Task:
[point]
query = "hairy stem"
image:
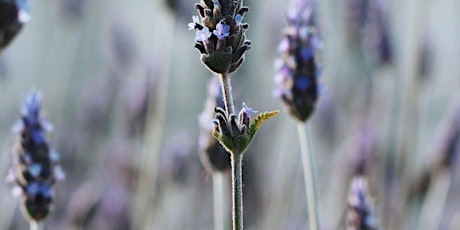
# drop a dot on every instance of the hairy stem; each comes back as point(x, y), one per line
point(309, 176)
point(218, 189)
point(237, 173)
point(227, 93)
point(34, 225)
point(237, 191)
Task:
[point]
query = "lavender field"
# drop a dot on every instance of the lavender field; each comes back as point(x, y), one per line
point(131, 105)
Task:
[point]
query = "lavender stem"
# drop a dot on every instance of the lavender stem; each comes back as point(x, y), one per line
point(237, 191)
point(309, 175)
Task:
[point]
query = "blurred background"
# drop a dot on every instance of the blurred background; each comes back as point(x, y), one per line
point(124, 88)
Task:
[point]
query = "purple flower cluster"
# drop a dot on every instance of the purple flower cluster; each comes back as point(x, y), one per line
point(220, 35)
point(296, 80)
point(13, 14)
point(360, 214)
point(35, 166)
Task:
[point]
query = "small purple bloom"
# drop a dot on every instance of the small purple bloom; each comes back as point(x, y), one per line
point(221, 31)
point(38, 136)
point(284, 45)
point(191, 25)
point(306, 53)
point(238, 19)
point(302, 82)
point(35, 169)
point(248, 110)
point(203, 35)
point(39, 189)
point(32, 103)
point(216, 3)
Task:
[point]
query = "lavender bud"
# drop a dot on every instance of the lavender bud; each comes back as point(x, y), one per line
point(72, 9)
point(376, 37)
point(35, 164)
point(296, 81)
point(13, 14)
point(220, 35)
point(212, 155)
point(360, 213)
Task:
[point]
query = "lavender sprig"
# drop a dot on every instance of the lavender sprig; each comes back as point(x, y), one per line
point(360, 214)
point(221, 40)
point(13, 14)
point(296, 81)
point(220, 35)
point(296, 85)
point(35, 166)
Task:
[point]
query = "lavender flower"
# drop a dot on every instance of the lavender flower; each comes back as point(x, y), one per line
point(296, 81)
point(367, 29)
point(13, 14)
point(221, 36)
point(72, 9)
point(360, 214)
point(35, 166)
point(195, 21)
point(203, 35)
point(212, 155)
point(221, 31)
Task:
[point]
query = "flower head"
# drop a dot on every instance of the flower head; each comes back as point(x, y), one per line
point(13, 15)
point(296, 81)
point(35, 166)
point(360, 214)
point(223, 51)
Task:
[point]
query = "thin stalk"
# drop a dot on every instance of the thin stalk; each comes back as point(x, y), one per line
point(227, 93)
point(149, 158)
point(309, 175)
point(34, 225)
point(435, 200)
point(218, 189)
point(237, 191)
point(236, 161)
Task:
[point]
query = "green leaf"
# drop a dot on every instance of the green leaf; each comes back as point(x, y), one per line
point(238, 144)
point(261, 118)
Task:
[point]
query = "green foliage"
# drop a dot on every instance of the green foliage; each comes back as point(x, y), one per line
point(239, 142)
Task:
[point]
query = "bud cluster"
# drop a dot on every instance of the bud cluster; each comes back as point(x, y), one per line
point(360, 214)
point(232, 130)
point(220, 34)
point(296, 80)
point(13, 14)
point(35, 167)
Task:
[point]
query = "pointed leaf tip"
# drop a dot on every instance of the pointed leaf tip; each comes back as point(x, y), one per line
point(261, 118)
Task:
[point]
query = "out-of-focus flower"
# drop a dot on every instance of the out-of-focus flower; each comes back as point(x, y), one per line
point(13, 14)
point(296, 81)
point(35, 167)
point(360, 214)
